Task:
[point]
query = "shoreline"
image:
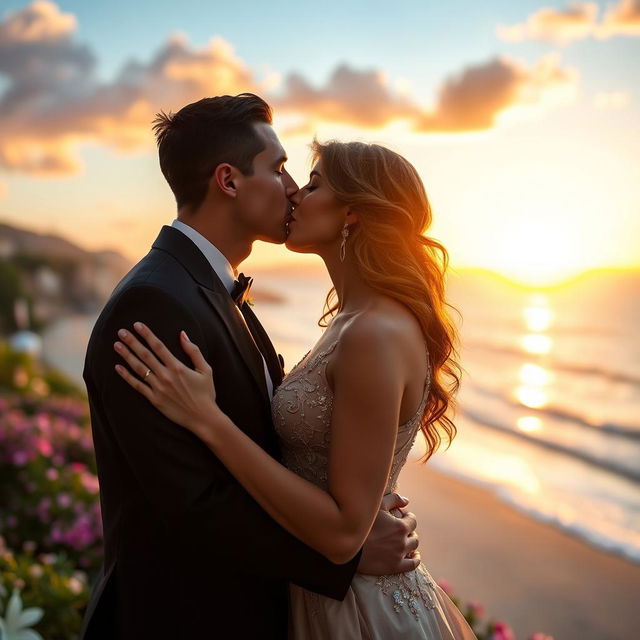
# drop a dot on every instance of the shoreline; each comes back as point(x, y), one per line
point(61, 344)
point(525, 572)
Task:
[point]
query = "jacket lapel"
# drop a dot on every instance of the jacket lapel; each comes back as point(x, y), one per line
point(230, 315)
point(191, 258)
point(265, 345)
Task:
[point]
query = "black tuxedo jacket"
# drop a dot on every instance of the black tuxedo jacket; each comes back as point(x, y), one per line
point(188, 553)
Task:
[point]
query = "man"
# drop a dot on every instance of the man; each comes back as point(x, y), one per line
point(188, 553)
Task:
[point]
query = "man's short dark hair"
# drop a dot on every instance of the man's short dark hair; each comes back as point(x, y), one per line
point(204, 134)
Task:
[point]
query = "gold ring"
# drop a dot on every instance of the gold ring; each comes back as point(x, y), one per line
point(146, 375)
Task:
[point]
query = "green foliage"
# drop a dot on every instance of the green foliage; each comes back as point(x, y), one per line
point(11, 288)
point(24, 374)
point(49, 582)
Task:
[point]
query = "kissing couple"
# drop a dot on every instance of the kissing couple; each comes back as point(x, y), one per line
point(240, 502)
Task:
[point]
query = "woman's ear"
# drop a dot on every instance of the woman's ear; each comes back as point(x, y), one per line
point(351, 217)
point(223, 177)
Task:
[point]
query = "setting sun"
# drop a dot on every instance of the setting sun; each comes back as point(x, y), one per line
point(538, 253)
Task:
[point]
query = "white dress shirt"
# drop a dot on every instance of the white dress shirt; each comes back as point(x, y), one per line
point(223, 270)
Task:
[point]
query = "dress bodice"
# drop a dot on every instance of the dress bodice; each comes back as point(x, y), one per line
point(302, 409)
point(407, 605)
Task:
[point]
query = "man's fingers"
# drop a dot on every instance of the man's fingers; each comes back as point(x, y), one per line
point(412, 543)
point(409, 520)
point(409, 564)
point(393, 501)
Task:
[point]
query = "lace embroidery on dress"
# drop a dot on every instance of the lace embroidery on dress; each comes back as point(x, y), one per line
point(302, 417)
point(301, 410)
point(409, 589)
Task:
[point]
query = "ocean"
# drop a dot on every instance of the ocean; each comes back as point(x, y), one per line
point(548, 414)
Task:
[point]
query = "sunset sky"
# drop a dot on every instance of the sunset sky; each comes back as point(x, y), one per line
point(523, 118)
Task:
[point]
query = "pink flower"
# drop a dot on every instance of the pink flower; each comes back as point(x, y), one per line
point(43, 421)
point(64, 500)
point(44, 447)
point(52, 474)
point(43, 509)
point(78, 467)
point(47, 558)
point(56, 534)
point(20, 458)
point(476, 608)
point(446, 586)
point(501, 631)
point(89, 482)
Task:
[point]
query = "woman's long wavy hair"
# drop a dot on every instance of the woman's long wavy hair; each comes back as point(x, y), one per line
point(396, 258)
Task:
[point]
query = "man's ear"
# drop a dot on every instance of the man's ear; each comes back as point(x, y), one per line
point(224, 177)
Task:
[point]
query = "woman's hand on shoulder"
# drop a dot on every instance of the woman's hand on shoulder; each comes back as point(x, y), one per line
point(184, 395)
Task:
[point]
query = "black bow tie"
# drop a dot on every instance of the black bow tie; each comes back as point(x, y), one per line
point(241, 289)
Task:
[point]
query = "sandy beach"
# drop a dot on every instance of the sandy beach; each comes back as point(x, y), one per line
point(526, 573)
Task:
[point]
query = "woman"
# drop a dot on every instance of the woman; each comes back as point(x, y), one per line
point(348, 413)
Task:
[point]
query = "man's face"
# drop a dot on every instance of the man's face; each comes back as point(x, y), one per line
point(263, 204)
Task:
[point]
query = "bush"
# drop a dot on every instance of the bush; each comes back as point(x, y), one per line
point(49, 582)
point(48, 480)
point(50, 521)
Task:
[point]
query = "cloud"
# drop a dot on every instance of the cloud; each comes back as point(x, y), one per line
point(468, 101)
point(53, 103)
point(39, 22)
point(474, 98)
point(612, 100)
point(576, 22)
point(621, 19)
point(360, 98)
point(559, 26)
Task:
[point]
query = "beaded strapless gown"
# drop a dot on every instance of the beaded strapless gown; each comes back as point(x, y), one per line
point(409, 605)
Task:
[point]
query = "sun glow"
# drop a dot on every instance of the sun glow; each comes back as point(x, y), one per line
point(539, 253)
point(537, 316)
point(529, 424)
point(532, 397)
point(536, 344)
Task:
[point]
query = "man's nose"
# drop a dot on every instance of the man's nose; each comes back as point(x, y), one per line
point(296, 197)
point(290, 186)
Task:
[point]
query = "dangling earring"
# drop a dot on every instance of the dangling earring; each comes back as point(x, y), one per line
point(343, 246)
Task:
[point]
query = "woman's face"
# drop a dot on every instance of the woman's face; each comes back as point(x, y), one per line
point(317, 220)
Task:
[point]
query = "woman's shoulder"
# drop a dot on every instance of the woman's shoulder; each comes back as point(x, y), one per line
point(386, 325)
